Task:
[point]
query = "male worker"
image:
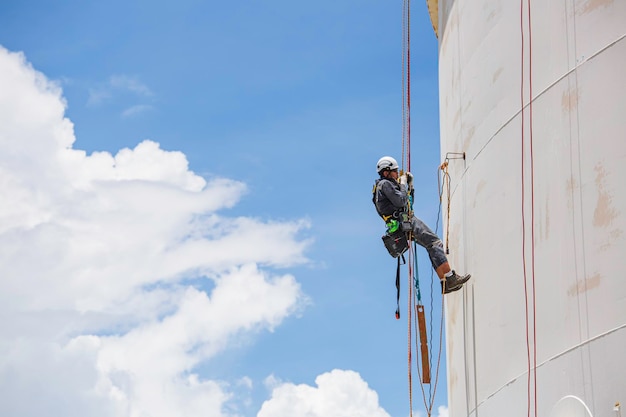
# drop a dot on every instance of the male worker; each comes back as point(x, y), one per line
point(390, 199)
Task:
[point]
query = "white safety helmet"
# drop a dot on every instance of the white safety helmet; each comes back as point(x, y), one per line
point(386, 163)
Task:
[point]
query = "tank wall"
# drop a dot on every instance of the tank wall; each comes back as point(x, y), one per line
point(579, 192)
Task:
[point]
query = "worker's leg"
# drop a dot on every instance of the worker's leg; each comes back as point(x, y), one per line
point(431, 242)
point(433, 245)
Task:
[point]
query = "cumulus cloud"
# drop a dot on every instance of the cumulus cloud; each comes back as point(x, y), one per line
point(338, 393)
point(442, 411)
point(121, 273)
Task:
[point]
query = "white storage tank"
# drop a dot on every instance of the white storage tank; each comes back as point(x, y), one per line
point(534, 94)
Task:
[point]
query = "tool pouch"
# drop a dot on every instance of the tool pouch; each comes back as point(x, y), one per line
point(396, 243)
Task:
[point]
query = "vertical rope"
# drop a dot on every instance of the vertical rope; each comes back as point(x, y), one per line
point(406, 157)
point(413, 279)
point(432, 398)
point(410, 339)
point(406, 85)
point(532, 200)
point(523, 213)
point(445, 183)
point(531, 358)
point(403, 83)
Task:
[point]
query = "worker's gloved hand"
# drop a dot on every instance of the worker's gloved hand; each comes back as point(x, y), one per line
point(409, 178)
point(403, 179)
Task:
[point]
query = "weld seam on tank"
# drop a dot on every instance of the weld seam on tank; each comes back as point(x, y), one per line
point(623, 326)
point(559, 79)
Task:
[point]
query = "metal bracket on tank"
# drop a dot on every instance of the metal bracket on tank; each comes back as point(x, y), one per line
point(455, 155)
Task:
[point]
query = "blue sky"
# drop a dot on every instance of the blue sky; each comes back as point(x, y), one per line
point(291, 104)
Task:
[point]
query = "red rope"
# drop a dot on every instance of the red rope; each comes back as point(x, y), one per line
point(406, 146)
point(403, 83)
point(409, 315)
point(532, 368)
point(532, 200)
point(523, 216)
point(408, 85)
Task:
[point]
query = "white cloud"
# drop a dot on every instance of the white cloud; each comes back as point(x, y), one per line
point(339, 393)
point(120, 84)
point(98, 95)
point(120, 274)
point(442, 411)
point(135, 110)
point(125, 82)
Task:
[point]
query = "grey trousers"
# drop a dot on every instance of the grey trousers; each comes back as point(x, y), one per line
point(426, 238)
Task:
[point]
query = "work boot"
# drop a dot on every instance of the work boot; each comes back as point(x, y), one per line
point(454, 282)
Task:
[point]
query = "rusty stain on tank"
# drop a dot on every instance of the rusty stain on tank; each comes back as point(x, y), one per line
point(454, 238)
point(479, 187)
point(591, 5)
point(468, 105)
point(571, 186)
point(569, 100)
point(611, 238)
point(586, 285)
point(453, 378)
point(468, 138)
point(457, 116)
point(491, 15)
point(604, 213)
point(496, 75)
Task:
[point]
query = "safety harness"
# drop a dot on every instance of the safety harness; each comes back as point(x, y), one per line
point(396, 238)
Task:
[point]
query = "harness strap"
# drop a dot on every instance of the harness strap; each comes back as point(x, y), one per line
point(398, 285)
point(385, 217)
